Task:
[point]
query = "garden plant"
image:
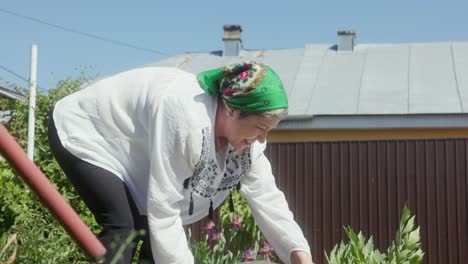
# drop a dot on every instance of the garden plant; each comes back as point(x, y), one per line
point(405, 249)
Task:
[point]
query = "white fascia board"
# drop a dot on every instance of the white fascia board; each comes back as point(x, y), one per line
point(374, 121)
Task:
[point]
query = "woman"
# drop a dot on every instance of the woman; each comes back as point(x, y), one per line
point(148, 149)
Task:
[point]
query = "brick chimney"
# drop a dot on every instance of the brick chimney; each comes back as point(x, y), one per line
point(232, 40)
point(346, 40)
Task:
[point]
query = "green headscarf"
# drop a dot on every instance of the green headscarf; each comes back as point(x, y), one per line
point(248, 87)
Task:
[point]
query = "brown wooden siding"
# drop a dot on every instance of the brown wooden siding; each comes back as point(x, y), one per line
point(365, 184)
point(315, 135)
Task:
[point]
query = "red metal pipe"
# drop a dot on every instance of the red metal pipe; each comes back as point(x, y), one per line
point(49, 196)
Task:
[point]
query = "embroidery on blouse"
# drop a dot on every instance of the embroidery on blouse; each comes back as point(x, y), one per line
point(237, 165)
point(204, 179)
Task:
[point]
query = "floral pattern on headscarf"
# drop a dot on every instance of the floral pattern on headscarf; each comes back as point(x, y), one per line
point(241, 79)
point(246, 86)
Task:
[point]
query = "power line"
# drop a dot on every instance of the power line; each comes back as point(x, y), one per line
point(116, 42)
point(20, 77)
point(14, 73)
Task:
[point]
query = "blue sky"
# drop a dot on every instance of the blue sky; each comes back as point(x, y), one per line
point(172, 27)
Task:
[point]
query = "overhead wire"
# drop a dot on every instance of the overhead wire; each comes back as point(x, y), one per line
point(82, 33)
point(20, 77)
point(67, 29)
point(14, 73)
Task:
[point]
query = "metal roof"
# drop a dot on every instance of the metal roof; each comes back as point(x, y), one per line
point(10, 93)
point(6, 91)
point(5, 116)
point(374, 79)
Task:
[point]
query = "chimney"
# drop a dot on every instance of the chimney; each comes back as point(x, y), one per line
point(232, 40)
point(346, 40)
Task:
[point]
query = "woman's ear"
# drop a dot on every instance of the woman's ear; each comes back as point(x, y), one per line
point(234, 113)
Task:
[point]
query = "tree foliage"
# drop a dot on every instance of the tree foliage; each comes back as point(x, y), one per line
point(40, 238)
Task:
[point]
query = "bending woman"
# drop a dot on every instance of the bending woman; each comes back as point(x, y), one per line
point(158, 148)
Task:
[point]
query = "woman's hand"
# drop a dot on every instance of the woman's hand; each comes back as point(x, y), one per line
point(301, 257)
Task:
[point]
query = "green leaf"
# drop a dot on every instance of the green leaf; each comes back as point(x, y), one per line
point(409, 226)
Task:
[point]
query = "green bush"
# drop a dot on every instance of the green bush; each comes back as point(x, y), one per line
point(40, 238)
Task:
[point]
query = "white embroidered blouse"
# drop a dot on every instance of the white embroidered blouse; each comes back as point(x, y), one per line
point(154, 128)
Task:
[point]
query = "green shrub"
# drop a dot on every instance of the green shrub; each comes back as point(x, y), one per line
point(40, 238)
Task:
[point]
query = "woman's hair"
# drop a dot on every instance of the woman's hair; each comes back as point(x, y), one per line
point(279, 113)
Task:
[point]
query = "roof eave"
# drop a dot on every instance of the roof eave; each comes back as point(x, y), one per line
point(375, 121)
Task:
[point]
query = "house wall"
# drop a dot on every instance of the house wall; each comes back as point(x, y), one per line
point(369, 134)
point(365, 184)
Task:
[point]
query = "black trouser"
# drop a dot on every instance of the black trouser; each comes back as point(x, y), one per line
point(109, 200)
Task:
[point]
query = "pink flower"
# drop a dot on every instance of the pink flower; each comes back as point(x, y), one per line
point(265, 250)
point(237, 222)
point(228, 92)
point(243, 75)
point(216, 236)
point(210, 227)
point(248, 255)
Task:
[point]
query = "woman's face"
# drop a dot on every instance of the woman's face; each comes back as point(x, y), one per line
point(243, 131)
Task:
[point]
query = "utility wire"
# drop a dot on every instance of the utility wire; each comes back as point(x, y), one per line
point(14, 73)
point(116, 42)
point(20, 77)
